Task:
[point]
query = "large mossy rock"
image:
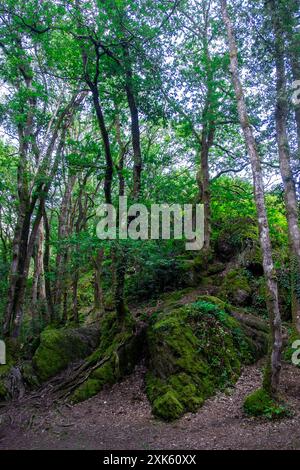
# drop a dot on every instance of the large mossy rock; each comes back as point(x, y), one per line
point(60, 347)
point(194, 350)
point(121, 347)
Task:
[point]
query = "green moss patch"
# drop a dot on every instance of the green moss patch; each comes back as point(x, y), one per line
point(260, 403)
point(194, 350)
point(59, 347)
point(168, 406)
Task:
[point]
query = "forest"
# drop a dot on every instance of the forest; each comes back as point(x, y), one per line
point(167, 338)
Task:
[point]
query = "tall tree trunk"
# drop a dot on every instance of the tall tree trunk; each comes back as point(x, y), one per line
point(19, 250)
point(135, 127)
point(106, 144)
point(293, 37)
point(75, 315)
point(49, 299)
point(62, 255)
point(38, 285)
point(291, 204)
point(98, 295)
point(122, 151)
point(119, 265)
point(203, 182)
point(272, 377)
point(119, 258)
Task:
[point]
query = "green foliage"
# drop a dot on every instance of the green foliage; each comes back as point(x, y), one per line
point(260, 403)
point(155, 269)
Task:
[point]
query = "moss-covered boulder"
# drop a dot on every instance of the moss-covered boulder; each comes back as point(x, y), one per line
point(194, 350)
point(260, 403)
point(60, 347)
point(120, 349)
point(255, 329)
point(236, 288)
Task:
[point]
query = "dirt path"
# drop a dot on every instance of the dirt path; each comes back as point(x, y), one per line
point(120, 418)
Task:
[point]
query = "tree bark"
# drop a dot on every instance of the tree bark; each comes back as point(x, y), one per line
point(203, 182)
point(75, 315)
point(62, 255)
point(271, 382)
point(105, 138)
point(98, 295)
point(122, 151)
point(294, 54)
point(49, 299)
point(135, 127)
point(38, 286)
point(281, 116)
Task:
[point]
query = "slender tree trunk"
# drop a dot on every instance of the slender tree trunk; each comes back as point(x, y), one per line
point(271, 381)
point(294, 54)
point(19, 251)
point(99, 297)
point(119, 258)
point(50, 307)
point(62, 255)
point(136, 139)
point(105, 138)
point(74, 297)
point(122, 151)
point(291, 203)
point(203, 183)
point(65, 304)
point(206, 139)
point(295, 65)
point(38, 286)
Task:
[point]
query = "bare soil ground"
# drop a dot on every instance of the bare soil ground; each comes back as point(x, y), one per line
point(120, 418)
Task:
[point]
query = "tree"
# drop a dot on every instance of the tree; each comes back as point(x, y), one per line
point(276, 12)
point(271, 382)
